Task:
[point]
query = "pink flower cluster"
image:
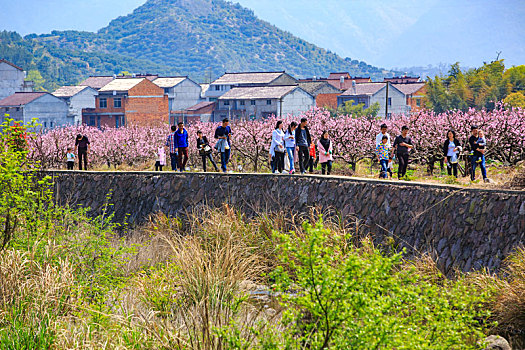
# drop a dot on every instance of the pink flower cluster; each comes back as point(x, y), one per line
point(353, 138)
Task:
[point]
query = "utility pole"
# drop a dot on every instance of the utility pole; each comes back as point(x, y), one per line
point(386, 101)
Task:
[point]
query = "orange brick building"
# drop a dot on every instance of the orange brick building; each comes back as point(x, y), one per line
point(327, 100)
point(415, 94)
point(128, 101)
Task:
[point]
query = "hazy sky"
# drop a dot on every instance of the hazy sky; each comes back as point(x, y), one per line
point(387, 33)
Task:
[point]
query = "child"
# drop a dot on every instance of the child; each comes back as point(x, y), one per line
point(482, 142)
point(390, 167)
point(383, 155)
point(312, 158)
point(70, 156)
point(161, 159)
point(324, 145)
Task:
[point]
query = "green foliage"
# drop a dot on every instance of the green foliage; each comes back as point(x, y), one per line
point(358, 110)
point(338, 296)
point(35, 76)
point(475, 88)
point(22, 334)
point(515, 99)
point(22, 194)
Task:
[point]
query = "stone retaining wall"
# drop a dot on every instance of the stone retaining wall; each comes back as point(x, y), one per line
point(465, 228)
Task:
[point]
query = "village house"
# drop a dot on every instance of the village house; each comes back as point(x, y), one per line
point(415, 94)
point(128, 101)
point(370, 93)
point(201, 112)
point(182, 93)
point(12, 79)
point(324, 93)
point(98, 82)
point(246, 79)
point(341, 81)
point(258, 102)
point(26, 106)
point(76, 98)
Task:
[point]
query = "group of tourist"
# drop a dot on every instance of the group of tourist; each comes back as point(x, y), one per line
point(295, 144)
point(386, 153)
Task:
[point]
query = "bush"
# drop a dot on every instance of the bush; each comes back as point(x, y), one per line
point(339, 296)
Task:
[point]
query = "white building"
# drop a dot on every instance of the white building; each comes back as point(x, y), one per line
point(182, 92)
point(76, 98)
point(230, 80)
point(26, 106)
point(263, 101)
point(370, 93)
point(12, 80)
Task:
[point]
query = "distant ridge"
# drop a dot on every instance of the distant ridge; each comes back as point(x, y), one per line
point(199, 38)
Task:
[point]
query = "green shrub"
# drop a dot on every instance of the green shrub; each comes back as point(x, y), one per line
point(339, 296)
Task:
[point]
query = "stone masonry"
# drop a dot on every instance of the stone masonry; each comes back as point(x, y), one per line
point(465, 228)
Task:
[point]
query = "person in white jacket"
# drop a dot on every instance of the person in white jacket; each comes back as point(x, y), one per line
point(379, 137)
point(277, 149)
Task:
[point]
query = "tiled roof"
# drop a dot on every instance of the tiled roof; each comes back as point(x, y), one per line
point(312, 86)
point(247, 78)
point(200, 105)
point(334, 76)
point(409, 88)
point(168, 82)
point(97, 82)
point(122, 84)
point(69, 91)
point(21, 98)
point(11, 64)
point(258, 92)
point(364, 89)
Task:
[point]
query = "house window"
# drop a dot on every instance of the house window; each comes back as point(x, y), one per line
point(45, 124)
point(217, 88)
point(268, 102)
point(226, 103)
point(166, 90)
point(50, 124)
point(18, 109)
point(253, 102)
point(390, 101)
point(241, 103)
point(418, 102)
point(117, 102)
point(103, 102)
point(92, 121)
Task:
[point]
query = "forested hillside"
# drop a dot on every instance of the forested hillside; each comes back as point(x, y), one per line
point(201, 38)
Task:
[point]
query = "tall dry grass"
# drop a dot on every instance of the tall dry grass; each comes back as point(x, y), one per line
point(189, 279)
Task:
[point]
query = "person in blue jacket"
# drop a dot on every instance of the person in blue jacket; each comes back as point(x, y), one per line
point(181, 139)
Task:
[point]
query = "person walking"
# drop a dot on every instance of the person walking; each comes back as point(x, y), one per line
point(451, 150)
point(70, 158)
point(171, 145)
point(477, 150)
point(82, 145)
point(205, 151)
point(277, 148)
point(289, 142)
point(379, 137)
point(325, 147)
point(303, 141)
point(161, 159)
point(383, 156)
point(222, 133)
point(402, 146)
point(181, 136)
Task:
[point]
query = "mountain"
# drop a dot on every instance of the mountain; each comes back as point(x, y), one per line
point(199, 38)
